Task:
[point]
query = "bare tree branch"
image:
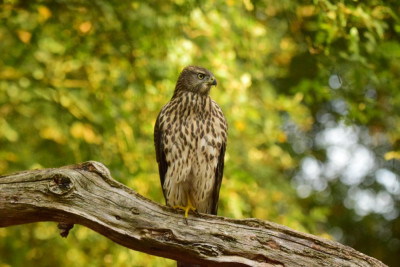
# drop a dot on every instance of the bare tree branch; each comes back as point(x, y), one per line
point(86, 194)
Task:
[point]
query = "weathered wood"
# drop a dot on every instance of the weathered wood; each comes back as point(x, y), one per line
point(86, 194)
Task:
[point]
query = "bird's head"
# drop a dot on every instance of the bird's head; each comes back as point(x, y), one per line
point(195, 79)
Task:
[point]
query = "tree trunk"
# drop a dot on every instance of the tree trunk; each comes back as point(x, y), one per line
point(86, 194)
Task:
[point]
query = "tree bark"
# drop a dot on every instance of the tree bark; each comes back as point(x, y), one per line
point(86, 194)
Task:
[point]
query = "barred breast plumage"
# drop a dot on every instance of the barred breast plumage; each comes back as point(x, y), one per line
point(190, 138)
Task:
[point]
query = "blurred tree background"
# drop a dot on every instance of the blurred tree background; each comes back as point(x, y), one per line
point(310, 90)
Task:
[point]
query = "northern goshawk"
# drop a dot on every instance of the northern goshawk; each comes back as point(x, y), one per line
point(190, 139)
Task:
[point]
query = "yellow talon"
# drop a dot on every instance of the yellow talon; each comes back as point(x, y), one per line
point(188, 207)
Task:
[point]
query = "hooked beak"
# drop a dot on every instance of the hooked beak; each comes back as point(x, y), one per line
point(213, 81)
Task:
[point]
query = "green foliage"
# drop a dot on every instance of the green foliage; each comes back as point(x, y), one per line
point(85, 80)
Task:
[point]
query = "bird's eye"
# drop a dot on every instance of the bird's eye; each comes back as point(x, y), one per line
point(200, 76)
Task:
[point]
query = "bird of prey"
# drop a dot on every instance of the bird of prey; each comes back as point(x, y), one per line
point(190, 138)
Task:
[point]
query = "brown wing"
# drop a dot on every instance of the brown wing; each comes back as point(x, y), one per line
point(218, 179)
point(160, 155)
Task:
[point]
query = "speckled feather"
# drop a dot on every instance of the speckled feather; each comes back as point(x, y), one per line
point(190, 138)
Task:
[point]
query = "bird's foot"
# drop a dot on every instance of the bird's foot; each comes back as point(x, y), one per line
point(188, 207)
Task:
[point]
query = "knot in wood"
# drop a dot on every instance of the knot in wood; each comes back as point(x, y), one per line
point(96, 167)
point(60, 184)
point(134, 210)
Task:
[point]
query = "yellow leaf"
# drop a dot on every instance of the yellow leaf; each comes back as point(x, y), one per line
point(298, 97)
point(24, 36)
point(240, 125)
point(85, 132)
point(53, 133)
point(282, 138)
point(7, 131)
point(306, 11)
point(248, 5)
point(44, 13)
point(255, 154)
point(392, 155)
point(85, 27)
point(230, 2)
